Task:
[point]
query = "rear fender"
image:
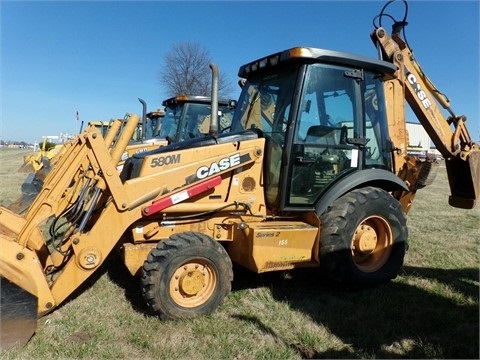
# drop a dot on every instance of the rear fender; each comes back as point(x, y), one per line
point(371, 177)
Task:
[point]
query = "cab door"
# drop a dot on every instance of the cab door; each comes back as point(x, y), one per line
point(339, 129)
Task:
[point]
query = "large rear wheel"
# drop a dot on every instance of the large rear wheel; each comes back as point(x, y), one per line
point(363, 238)
point(187, 275)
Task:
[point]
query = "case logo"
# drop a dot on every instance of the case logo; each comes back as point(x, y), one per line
point(216, 167)
point(422, 95)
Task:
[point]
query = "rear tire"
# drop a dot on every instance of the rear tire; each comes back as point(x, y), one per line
point(363, 239)
point(187, 275)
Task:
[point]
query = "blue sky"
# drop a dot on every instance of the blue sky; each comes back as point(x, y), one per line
point(99, 57)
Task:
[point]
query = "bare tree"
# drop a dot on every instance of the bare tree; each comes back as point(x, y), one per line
point(186, 71)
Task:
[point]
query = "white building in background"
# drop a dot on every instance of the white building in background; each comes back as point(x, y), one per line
point(419, 142)
point(418, 136)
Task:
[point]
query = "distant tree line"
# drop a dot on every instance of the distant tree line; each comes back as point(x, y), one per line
point(13, 142)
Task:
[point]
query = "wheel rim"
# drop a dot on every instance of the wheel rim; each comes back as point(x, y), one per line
point(372, 244)
point(193, 283)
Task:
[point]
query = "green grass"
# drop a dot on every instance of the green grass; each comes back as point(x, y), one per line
point(10, 179)
point(430, 311)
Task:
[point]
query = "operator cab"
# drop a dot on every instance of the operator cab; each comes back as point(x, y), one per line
point(188, 117)
point(323, 116)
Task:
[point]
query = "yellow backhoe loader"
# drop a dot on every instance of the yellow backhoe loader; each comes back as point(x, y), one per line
point(314, 173)
point(35, 162)
point(188, 117)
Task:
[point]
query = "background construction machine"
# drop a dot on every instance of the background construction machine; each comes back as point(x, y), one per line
point(188, 117)
point(34, 162)
point(39, 165)
point(44, 159)
point(315, 173)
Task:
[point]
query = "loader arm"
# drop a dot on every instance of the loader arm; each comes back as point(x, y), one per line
point(86, 206)
point(44, 257)
point(450, 135)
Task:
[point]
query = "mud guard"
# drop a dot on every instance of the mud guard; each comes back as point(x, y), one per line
point(370, 177)
point(18, 315)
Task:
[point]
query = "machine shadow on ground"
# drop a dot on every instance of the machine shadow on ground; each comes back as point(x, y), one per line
point(397, 320)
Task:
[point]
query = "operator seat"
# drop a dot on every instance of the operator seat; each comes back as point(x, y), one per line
point(321, 135)
point(321, 147)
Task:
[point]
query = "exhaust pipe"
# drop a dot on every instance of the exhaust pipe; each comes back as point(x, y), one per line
point(214, 99)
point(144, 118)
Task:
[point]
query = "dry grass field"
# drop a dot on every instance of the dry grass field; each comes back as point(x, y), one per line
point(430, 311)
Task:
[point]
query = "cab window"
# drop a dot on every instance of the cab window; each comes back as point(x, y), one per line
point(265, 104)
point(340, 128)
point(327, 118)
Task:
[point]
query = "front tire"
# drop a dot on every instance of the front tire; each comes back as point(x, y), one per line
point(363, 238)
point(187, 275)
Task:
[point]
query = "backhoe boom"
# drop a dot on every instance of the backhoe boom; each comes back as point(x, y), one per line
point(449, 135)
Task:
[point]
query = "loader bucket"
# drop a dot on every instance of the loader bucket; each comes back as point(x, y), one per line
point(18, 315)
point(27, 167)
point(21, 205)
point(30, 189)
point(464, 179)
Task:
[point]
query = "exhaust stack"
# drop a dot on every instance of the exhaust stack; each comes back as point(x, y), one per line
point(214, 99)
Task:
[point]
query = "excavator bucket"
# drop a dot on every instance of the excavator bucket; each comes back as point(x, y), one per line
point(464, 179)
point(18, 315)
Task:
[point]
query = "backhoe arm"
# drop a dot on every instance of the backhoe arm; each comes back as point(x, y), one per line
point(450, 135)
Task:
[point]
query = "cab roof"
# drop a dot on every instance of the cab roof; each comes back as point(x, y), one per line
point(315, 55)
point(180, 99)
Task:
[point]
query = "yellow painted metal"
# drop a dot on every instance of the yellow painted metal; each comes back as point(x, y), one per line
point(34, 162)
point(193, 283)
point(372, 244)
point(22, 267)
point(449, 135)
point(134, 255)
point(274, 245)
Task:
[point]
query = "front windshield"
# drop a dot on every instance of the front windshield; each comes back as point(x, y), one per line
point(170, 122)
point(225, 116)
point(265, 104)
point(190, 120)
point(196, 122)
